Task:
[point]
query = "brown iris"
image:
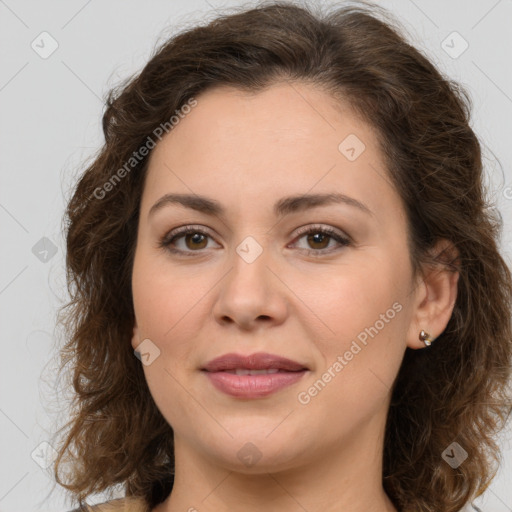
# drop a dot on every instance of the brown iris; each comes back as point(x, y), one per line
point(322, 235)
point(193, 236)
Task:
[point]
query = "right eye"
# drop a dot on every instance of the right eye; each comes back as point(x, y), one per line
point(193, 236)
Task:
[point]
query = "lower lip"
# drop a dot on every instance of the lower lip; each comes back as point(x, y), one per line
point(253, 386)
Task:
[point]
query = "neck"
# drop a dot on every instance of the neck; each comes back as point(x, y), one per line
point(348, 478)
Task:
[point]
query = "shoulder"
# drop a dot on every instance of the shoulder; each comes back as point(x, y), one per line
point(120, 505)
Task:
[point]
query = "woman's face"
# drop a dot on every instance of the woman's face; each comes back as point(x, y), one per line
point(249, 278)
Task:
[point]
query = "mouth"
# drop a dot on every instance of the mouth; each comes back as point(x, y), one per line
point(253, 362)
point(245, 371)
point(254, 376)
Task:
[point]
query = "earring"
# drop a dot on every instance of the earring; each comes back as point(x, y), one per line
point(425, 337)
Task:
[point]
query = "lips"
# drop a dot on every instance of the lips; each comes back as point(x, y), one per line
point(253, 376)
point(258, 361)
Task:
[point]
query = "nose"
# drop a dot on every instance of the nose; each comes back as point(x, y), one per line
point(251, 294)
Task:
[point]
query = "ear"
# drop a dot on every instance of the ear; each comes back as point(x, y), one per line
point(434, 295)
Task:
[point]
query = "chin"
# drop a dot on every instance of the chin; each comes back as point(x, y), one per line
point(255, 451)
point(254, 459)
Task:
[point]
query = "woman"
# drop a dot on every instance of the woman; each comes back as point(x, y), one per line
point(286, 287)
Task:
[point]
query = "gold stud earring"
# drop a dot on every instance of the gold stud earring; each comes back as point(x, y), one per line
point(425, 337)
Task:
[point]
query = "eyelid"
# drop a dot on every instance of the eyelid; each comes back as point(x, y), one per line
point(336, 234)
point(184, 230)
point(322, 227)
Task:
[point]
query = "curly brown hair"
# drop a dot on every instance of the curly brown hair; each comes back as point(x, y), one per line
point(456, 391)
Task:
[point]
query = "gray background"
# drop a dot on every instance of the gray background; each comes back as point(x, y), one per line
point(51, 107)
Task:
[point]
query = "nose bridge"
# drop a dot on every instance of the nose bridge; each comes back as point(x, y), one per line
point(250, 276)
point(250, 290)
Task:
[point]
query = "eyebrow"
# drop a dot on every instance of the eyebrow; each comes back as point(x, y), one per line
point(284, 206)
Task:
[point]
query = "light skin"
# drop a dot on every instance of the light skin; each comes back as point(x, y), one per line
point(248, 151)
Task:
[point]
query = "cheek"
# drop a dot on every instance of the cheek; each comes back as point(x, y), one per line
point(163, 312)
point(164, 307)
point(355, 298)
point(161, 298)
point(362, 352)
point(364, 315)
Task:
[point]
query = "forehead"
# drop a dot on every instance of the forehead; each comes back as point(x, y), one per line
point(283, 114)
point(289, 137)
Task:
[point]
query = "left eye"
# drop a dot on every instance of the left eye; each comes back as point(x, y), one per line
point(196, 239)
point(319, 235)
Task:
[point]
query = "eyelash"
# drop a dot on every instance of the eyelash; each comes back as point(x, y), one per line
point(170, 238)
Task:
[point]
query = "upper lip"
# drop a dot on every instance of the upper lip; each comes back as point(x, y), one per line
point(257, 361)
